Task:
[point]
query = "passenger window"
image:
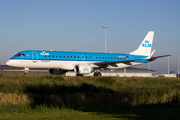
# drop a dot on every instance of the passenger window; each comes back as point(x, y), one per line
point(111, 57)
point(93, 57)
point(74, 56)
point(64, 56)
point(106, 57)
point(86, 57)
point(67, 56)
point(82, 56)
point(97, 57)
point(49, 56)
point(89, 57)
point(60, 56)
point(71, 56)
point(56, 56)
point(78, 57)
point(45, 56)
point(100, 57)
point(53, 56)
point(114, 57)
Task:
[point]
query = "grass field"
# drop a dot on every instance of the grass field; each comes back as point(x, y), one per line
point(66, 98)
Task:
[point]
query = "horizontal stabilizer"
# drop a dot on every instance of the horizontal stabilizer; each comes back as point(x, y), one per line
point(154, 58)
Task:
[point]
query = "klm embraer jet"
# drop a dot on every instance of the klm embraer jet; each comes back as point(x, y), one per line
point(59, 62)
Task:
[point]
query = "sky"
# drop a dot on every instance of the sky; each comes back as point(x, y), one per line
point(65, 25)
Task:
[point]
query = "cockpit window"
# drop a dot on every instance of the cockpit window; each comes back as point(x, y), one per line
point(22, 55)
point(17, 55)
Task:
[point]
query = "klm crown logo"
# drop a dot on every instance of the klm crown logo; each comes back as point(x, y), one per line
point(85, 69)
point(146, 44)
point(146, 41)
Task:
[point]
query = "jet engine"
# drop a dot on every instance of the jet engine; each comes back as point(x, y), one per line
point(83, 69)
point(57, 71)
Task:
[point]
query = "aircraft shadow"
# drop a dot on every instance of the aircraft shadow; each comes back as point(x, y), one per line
point(89, 98)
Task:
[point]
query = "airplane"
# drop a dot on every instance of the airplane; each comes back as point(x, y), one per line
point(82, 63)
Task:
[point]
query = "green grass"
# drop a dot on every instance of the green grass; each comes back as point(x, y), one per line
point(149, 112)
point(57, 97)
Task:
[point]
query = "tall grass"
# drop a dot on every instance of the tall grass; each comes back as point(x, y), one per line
point(77, 92)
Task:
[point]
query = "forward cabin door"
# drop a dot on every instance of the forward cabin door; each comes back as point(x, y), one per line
point(34, 56)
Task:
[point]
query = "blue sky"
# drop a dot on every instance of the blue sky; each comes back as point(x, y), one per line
point(77, 24)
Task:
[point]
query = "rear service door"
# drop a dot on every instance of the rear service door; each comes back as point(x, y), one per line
point(131, 57)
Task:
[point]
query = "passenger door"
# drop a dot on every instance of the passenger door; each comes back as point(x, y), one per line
point(34, 56)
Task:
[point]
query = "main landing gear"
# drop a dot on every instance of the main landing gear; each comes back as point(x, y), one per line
point(97, 74)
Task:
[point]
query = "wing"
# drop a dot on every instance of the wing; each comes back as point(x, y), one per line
point(105, 63)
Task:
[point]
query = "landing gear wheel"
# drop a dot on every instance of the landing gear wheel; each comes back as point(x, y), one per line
point(97, 74)
point(26, 73)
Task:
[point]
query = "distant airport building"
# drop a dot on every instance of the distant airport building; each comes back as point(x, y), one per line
point(166, 75)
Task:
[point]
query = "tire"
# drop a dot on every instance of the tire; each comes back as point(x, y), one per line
point(26, 73)
point(97, 74)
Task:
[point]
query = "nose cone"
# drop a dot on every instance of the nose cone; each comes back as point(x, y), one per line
point(10, 62)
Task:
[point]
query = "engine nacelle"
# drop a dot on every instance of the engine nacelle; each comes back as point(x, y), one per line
point(82, 69)
point(57, 71)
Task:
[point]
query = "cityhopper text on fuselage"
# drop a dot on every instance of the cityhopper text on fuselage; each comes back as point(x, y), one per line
point(59, 62)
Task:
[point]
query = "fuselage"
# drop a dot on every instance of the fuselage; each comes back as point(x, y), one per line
point(66, 60)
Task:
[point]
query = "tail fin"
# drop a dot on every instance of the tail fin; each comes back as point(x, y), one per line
point(145, 46)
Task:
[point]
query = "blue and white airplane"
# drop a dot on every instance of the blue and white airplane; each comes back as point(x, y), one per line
point(59, 62)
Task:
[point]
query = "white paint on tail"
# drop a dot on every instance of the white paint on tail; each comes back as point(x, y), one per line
point(145, 46)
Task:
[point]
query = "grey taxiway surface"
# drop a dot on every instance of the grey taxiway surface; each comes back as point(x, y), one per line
point(4, 69)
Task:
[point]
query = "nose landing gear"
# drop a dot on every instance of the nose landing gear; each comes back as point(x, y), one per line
point(26, 71)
